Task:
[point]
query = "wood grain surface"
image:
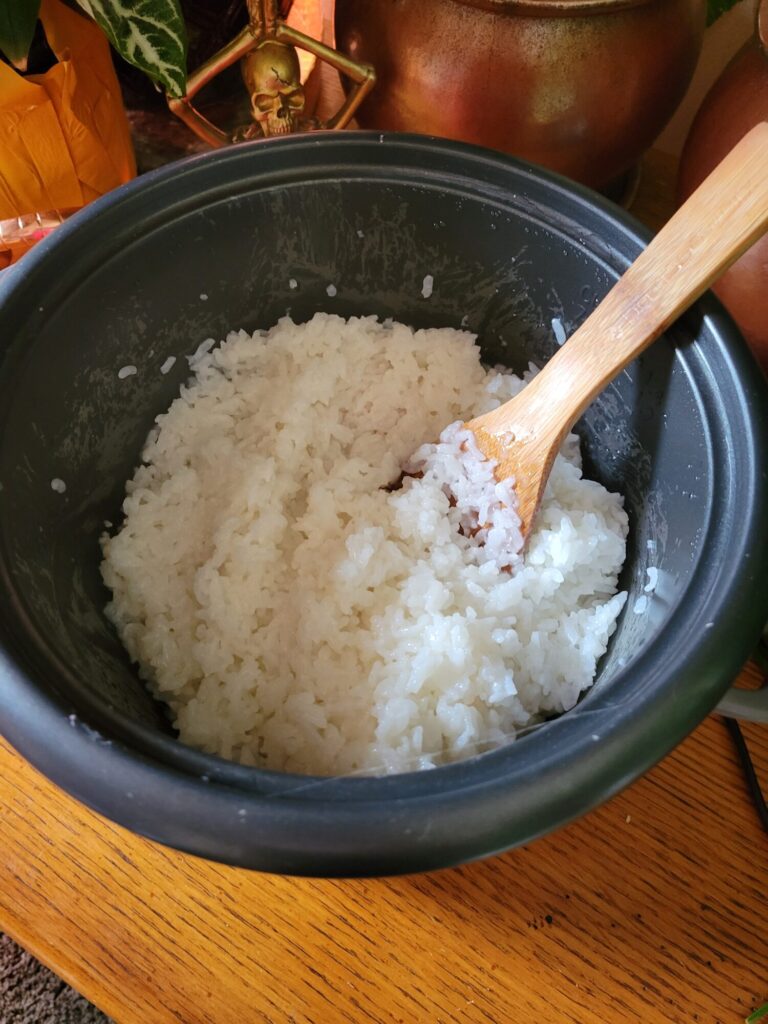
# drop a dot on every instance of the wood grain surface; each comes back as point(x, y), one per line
point(652, 908)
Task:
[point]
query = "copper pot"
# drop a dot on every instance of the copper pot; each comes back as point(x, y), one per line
point(736, 102)
point(581, 86)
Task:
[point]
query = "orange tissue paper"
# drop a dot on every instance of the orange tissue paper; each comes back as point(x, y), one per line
point(64, 136)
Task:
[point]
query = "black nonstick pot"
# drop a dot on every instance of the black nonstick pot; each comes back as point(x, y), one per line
point(210, 244)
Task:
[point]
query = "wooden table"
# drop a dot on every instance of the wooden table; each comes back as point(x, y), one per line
point(651, 909)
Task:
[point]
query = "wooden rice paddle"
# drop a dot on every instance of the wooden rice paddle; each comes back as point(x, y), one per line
point(720, 220)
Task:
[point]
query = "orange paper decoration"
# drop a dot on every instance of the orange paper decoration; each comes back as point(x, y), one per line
point(64, 136)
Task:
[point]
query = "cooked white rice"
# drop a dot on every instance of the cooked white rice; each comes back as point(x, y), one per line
point(294, 615)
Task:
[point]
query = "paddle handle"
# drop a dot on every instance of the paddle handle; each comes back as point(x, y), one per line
point(719, 222)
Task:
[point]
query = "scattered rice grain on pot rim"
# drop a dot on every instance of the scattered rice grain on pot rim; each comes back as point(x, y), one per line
point(296, 616)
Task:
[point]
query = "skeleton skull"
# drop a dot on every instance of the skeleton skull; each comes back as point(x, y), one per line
point(272, 75)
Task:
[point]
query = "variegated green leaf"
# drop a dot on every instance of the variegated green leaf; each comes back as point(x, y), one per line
point(150, 34)
point(17, 26)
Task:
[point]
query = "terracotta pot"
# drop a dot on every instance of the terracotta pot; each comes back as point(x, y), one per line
point(581, 86)
point(736, 102)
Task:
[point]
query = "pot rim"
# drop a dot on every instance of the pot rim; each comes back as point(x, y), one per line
point(554, 8)
point(294, 824)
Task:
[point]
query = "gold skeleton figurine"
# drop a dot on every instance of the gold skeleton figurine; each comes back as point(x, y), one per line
point(270, 70)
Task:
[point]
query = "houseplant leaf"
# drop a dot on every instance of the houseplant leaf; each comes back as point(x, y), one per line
point(149, 34)
point(17, 26)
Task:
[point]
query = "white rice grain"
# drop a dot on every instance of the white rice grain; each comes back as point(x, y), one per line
point(653, 580)
point(295, 615)
point(559, 331)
